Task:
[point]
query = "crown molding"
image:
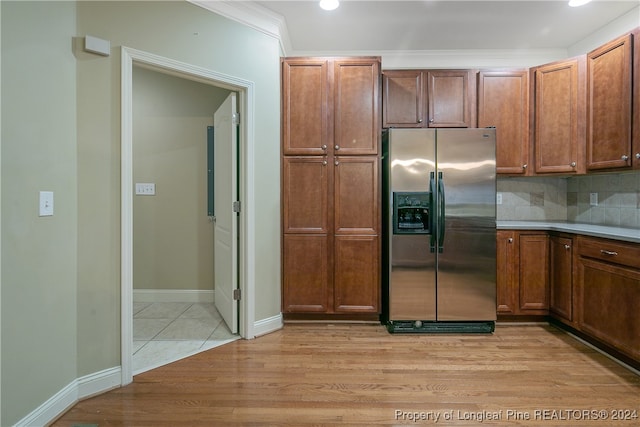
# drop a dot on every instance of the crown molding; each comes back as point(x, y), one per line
point(253, 15)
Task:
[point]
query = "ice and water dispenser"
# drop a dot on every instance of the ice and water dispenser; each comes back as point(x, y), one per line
point(411, 212)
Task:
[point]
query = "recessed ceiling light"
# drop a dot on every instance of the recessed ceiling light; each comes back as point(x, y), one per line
point(329, 4)
point(576, 3)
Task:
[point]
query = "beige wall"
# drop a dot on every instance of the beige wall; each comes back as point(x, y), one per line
point(172, 236)
point(39, 256)
point(189, 34)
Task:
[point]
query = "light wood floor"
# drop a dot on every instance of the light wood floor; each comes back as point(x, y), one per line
point(324, 374)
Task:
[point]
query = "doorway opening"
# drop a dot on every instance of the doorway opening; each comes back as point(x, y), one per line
point(245, 283)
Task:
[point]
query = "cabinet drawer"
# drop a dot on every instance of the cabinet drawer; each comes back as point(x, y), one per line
point(610, 251)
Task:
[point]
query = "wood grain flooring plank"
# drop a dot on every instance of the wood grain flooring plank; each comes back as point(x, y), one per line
point(317, 374)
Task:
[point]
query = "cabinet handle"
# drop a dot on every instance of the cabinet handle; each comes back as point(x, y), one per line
point(567, 247)
point(625, 157)
point(336, 163)
point(324, 162)
point(611, 253)
point(572, 164)
point(524, 166)
point(510, 240)
point(419, 120)
point(638, 156)
point(324, 147)
point(430, 120)
point(337, 147)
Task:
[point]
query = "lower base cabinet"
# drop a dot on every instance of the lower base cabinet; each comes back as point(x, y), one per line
point(608, 287)
point(523, 272)
point(561, 277)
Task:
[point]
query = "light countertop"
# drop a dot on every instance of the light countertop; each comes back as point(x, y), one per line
point(617, 233)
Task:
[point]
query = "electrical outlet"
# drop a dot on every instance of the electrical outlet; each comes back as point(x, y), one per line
point(498, 198)
point(145, 189)
point(593, 199)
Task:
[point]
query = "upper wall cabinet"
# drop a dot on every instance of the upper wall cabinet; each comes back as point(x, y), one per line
point(428, 98)
point(558, 130)
point(503, 103)
point(609, 105)
point(330, 105)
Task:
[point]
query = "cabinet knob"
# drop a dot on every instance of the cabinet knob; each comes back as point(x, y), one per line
point(638, 156)
point(336, 163)
point(625, 157)
point(430, 120)
point(524, 166)
point(567, 247)
point(419, 120)
point(337, 147)
point(510, 240)
point(324, 162)
point(324, 147)
point(572, 164)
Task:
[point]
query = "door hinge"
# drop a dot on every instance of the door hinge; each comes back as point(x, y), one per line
point(236, 206)
point(235, 118)
point(236, 294)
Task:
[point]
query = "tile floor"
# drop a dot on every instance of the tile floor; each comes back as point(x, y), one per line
point(164, 332)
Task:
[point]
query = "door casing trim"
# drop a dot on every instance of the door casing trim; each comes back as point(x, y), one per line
point(246, 106)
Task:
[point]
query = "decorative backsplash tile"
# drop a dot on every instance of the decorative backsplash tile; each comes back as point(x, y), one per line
point(531, 199)
point(570, 199)
point(618, 199)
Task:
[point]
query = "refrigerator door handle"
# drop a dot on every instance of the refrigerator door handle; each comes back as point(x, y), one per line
point(432, 212)
point(441, 202)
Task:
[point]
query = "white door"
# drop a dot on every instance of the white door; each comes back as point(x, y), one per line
point(226, 220)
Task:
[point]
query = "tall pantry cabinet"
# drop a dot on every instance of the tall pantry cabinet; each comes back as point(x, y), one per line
point(331, 215)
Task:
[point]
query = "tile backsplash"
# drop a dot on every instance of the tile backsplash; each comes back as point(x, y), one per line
point(570, 199)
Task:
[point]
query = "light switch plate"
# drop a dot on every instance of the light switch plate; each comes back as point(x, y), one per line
point(46, 203)
point(593, 199)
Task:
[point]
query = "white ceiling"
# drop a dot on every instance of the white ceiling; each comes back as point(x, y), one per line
point(360, 25)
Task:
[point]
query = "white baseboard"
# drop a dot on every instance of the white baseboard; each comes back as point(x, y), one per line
point(77, 390)
point(172, 295)
point(268, 325)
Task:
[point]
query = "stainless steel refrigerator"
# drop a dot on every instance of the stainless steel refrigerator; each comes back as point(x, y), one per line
point(440, 230)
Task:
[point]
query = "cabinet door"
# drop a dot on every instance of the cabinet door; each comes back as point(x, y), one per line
point(449, 94)
point(356, 195)
point(305, 279)
point(534, 272)
point(356, 106)
point(305, 107)
point(609, 301)
point(402, 99)
point(609, 104)
point(506, 279)
point(305, 183)
point(561, 277)
point(357, 274)
point(503, 102)
point(558, 131)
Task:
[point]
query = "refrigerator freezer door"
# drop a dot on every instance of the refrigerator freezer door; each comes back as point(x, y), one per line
point(412, 280)
point(466, 283)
